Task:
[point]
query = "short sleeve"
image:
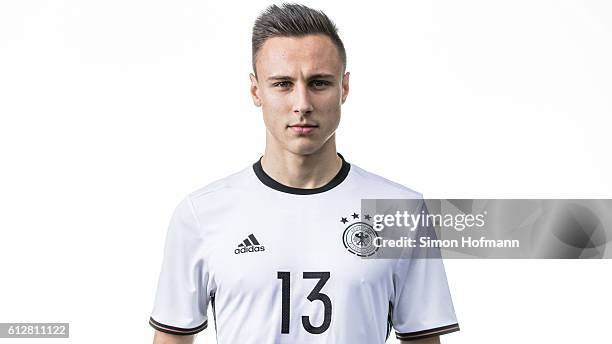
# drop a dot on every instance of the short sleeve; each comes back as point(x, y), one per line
point(181, 299)
point(422, 306)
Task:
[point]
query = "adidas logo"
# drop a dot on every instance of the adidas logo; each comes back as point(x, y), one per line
point(250, 244)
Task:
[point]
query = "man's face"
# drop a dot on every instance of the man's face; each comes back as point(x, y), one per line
point(300, 86)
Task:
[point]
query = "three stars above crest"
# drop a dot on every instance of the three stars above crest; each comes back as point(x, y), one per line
point(344, 220)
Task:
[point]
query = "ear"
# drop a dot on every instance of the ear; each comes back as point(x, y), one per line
point(345, 86)
point(255, 90)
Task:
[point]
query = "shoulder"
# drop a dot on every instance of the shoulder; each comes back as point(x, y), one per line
point(223, 188)
point(381, 187)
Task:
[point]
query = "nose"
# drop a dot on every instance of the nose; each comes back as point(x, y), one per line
point(302, 104)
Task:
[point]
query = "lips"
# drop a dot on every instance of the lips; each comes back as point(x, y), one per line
point(303, 129)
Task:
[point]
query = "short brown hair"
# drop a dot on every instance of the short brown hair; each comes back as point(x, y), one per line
point(293, 20)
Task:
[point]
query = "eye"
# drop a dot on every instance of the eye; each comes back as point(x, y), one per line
point(281, 84)
point(320, 83)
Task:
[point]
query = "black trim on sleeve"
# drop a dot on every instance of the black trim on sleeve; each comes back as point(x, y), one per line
point(269, 181)
point(437, 331)
point(177, 330)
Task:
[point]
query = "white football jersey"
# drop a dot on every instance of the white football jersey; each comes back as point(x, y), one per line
point(274, 264)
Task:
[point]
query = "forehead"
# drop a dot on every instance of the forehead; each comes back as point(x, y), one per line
point(289, 55)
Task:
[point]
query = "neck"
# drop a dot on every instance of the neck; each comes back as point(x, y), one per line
point(304, 171)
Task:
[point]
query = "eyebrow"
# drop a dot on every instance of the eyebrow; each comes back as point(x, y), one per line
point(314, 76)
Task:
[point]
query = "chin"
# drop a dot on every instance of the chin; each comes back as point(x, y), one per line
point(303, 148)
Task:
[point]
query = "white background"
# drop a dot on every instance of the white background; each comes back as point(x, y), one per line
point(111, 111)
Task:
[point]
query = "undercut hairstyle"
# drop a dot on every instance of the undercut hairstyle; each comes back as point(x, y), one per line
point(293, 20)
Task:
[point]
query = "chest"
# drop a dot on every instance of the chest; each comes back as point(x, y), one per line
point(260, 250)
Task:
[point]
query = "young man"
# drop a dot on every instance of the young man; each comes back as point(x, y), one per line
point(267, 247)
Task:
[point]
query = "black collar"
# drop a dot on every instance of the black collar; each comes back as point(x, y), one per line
point(267, 180)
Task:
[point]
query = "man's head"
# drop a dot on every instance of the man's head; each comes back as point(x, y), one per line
point(299, 77)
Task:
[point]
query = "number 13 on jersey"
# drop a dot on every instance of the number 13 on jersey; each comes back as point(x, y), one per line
point(315, 294)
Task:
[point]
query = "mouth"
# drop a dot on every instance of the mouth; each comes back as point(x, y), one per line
point(303, 129)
